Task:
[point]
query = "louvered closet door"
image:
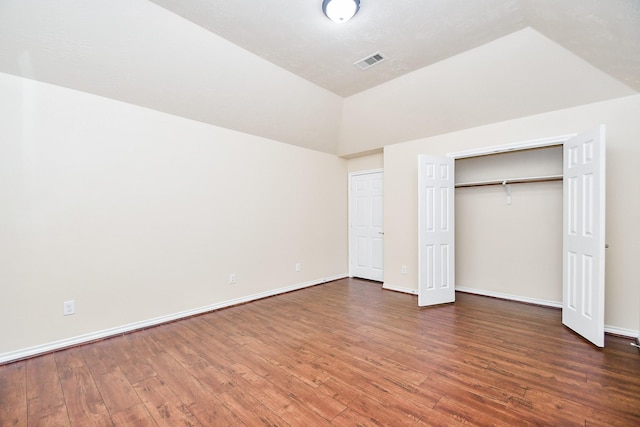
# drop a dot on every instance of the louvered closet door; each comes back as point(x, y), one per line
point(584, 235)
point(436, 237)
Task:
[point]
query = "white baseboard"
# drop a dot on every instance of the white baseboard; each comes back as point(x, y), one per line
point(93, 336)
point(608, 329)
point(390, 287)
point(621, 331)
point(546, 303)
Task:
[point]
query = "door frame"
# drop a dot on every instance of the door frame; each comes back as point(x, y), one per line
point(350, 181)
point(484, 151)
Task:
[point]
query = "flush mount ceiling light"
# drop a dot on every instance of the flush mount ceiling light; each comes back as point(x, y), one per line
point(340, 10)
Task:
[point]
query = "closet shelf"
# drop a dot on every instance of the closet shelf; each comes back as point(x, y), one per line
point(510, 181)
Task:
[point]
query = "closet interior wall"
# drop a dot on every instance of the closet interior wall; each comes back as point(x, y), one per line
point(509, 239)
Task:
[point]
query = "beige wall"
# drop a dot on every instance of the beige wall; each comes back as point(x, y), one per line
point(370, 162)
point(138, 52)
point(623, 204)
point(518, 75)
point(510, 249)
point(136, 214)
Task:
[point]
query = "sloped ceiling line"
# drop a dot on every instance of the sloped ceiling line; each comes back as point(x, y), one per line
point(281, 70)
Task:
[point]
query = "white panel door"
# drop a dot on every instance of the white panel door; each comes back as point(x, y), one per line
point(367, 232)
point(436, 252)
point(584, 235)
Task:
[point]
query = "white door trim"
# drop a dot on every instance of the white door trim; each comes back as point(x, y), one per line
point(349, 181)
point(505, 148)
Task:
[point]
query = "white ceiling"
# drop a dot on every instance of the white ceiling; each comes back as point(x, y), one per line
point(413, 34)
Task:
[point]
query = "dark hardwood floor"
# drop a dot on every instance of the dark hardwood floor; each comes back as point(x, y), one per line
point(345, 353)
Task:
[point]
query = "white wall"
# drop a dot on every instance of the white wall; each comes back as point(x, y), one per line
point(137, 214)
point(623, 204)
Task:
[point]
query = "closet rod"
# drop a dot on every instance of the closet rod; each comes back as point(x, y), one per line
point(510, 181)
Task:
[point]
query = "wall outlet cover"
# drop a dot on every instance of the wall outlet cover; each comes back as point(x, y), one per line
point(69, 307)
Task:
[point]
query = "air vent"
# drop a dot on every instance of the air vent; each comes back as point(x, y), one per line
point(370, 61)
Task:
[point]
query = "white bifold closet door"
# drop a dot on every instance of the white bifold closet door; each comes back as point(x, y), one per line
point(583, 233)
point(436, 221)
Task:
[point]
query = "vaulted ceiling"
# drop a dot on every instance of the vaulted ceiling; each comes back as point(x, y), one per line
point(281, 70)
point(413, 34)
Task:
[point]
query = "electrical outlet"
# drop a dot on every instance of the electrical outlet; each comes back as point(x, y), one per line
point(232, 278)
point(404, 269)
point(298, 267)
point(69, 308)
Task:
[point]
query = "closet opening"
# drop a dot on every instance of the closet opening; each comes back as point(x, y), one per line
point(508, 218)
point(582, 215)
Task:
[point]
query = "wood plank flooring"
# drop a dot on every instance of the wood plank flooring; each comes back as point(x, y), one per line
point(345, 353)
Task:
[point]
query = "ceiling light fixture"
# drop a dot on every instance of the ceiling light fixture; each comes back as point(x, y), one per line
point(340, 10)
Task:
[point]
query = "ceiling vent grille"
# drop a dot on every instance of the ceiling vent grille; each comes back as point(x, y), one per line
point(370, 61)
